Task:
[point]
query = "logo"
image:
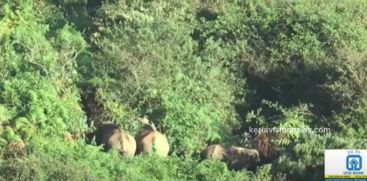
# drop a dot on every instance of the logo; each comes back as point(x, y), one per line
point(354, 162)
point(345, 164)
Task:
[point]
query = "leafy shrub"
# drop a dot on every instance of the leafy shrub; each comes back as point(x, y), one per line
point(150, 63)
point(203, 72)
point(38, 73)
point(56, 159)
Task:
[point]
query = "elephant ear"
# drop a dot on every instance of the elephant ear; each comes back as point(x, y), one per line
point(115, 141)
point(124, 136)
point(255, 156)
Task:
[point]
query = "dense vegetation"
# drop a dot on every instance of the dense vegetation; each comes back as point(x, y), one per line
point(202, 71)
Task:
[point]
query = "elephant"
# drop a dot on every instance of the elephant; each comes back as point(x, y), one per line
point(236, 157)
point(111, 136)
point(150, 140)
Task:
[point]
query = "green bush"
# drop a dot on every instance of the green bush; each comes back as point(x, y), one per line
point(150, 64)
point(56, 159)
point(203, 72)
point(38, 73)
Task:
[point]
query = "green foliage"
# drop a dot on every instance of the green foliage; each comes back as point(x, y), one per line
point(215, 170)
point(203, 72)
point(56, 159)
point(38, 74)
point(264, 173)
point(150, 64)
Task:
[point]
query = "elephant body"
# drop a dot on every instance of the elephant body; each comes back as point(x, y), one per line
point(216, 152)
point(112, 137)
point(150, 140)
point(236, 157)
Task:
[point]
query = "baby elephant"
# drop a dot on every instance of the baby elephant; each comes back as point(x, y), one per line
point(150, 140)
point(112, 137)
point(236, 157)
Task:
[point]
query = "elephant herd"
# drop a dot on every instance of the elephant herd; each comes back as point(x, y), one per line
point(149, 140)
